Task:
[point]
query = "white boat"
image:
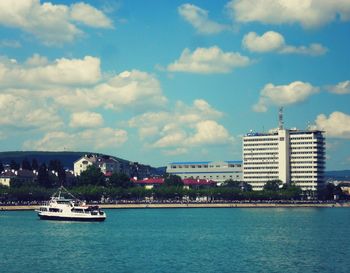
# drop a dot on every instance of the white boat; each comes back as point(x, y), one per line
point(69, 209)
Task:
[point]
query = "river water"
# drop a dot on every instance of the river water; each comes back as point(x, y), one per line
point(180, 240)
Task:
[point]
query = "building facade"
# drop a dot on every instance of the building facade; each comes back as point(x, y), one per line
point(291, 156)
point(107, 165)
point(217, 171)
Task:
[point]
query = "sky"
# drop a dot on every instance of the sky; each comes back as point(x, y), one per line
point(162, 81)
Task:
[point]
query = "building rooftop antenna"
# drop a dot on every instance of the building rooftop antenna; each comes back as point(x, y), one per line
point(280, 118)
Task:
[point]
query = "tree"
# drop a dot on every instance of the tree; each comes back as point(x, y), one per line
point(272, 185)
point(92, 176)
point(56, 166)
point(35, 164)
point(1, 167)
point(14, 165)
point(120, 180)
point(231, 184)
point(173, 181)
point(26, 164)
point(43, 176)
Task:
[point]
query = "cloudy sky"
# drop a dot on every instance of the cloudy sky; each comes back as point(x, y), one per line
point(160, 81)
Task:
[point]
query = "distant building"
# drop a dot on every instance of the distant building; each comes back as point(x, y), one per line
point(289, 155)
point(25, 176)
point(217, 171)
point(107, 165)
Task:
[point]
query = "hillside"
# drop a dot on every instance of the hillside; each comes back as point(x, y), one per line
point(343, 175)
point(67, 158)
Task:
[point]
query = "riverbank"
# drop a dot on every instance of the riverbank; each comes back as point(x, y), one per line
point(199, 205)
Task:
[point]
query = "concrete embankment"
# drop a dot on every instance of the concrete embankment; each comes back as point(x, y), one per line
point(201, 205)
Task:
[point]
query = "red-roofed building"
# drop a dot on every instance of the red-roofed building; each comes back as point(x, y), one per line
point(198, 183)
point(149, 183)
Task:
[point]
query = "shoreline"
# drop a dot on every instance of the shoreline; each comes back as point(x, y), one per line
point(197, 205)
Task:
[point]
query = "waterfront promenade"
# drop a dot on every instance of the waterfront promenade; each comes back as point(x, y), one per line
point(201, 205)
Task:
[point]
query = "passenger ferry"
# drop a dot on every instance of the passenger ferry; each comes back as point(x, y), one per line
point(69, 209)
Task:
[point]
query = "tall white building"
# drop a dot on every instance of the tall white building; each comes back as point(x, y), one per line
point(292, 156)
point(218, 171)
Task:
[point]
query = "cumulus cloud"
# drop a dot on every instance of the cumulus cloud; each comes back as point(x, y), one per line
point(52, 24)
point(67, 95)
point(178, 130)
point(308, 13)
point(341, 88)
point(281, 95)
point(272, 41)
point(208, 60)
point(86, 120)
point(134, 89)
point(89, 16)
point(337, 125)
point(198, 18)
point(22, 112)
point(38, 72)
point(83, 140)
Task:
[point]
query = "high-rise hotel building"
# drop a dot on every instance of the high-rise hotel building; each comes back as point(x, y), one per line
point(289, 155)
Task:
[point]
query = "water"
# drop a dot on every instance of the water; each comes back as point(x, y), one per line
point(180, 240)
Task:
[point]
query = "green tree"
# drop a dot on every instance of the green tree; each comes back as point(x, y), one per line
point(43, 176)
point(92, 176)
point(120, 180)
point(272, 185)
point(14, 165)
point(26, 164)
point(35, 164)
point(173, 181)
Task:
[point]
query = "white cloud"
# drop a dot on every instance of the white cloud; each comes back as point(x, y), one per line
point(337, 125)
point(86, 120)
point(208, 60)
point(24, 112)
point(90, 16)
point(209, 132)
point(269, 41)
point(308, 13)
point(85, 140)
point(273, 41)
point(198, 18)
point(312, 50)
point(341, 88)
point(52, 24)
point(281, 95)
point(130, 89)
point(37, 72)
point(182, 128)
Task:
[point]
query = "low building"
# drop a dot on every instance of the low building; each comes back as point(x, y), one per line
point(149, 183)
point(24, 176)
point(217, 171)
point(191, 183)
point(6, 177)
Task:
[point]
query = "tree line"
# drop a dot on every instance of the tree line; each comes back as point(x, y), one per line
point(93, 185)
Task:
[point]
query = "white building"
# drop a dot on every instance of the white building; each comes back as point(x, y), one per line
point(218, 171)
point(292, 156)
point(107, 165)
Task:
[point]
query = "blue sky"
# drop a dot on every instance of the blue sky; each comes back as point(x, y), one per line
point(161, 81)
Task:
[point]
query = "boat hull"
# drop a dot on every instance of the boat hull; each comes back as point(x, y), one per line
point(76, 219)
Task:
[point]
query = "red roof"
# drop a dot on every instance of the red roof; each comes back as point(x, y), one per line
point(149, 181)
point(192, 181)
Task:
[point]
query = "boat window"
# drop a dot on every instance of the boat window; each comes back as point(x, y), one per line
point(54, 210)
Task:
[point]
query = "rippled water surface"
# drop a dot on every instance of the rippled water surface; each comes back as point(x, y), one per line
point(180, 240)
